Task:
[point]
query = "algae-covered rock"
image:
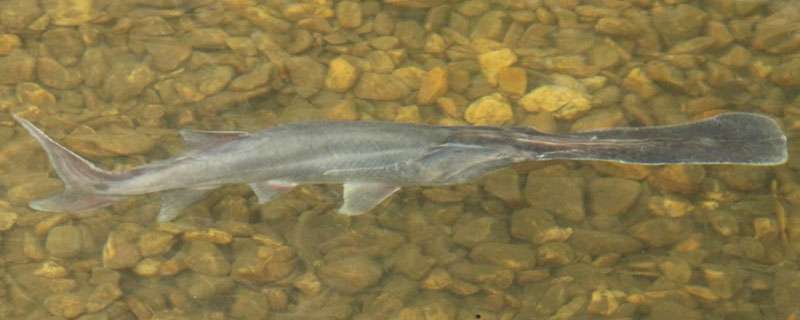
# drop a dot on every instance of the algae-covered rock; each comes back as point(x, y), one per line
point(512, 81)
point(307, 75)
point(153, 243)
point(32, 93)
point(126, 80)
point(561, 195)
point(638, 82)
point(777, 33)
point(410, 261)
point(249, 304)
point(598, 243)
point(349, 13)
point(472, 231)
point(616, 27)
point(69, 12)
point(120, 250)
point(433, 86)
point(114, 142)
point(679, 22)
point(504, 184)
point(67, 305)
point(724, 222)
point(204, 257)
point(510, 256)
point(669, 206)
point(8, 43)
point(102, 295)
point(612, 196)
point(374, 86)
point(51, 73)
point(34, 188)
point(263, 263)
point(787, 74)
point(659, 232)
point(64, 241)
point(535, 225)
point(555, 254)
point(7, 219)
point(678, 178)
point(485, 274)
point(167, 55)
point(351, 274)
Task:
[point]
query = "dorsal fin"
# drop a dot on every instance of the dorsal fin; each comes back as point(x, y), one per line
point(200, 139)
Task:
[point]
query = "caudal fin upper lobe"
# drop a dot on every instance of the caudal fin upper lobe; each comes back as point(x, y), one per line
point(81, 178)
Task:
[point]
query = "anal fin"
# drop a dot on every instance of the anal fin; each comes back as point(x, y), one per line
point(363, 196)
point(174, 201)
point(266, 190)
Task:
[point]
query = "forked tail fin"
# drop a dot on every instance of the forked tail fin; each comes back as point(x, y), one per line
point(81, 178)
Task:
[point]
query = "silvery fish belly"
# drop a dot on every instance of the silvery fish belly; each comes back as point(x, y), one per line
point(375, 159)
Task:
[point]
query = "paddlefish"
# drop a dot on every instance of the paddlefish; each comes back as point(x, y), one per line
point(373, 160)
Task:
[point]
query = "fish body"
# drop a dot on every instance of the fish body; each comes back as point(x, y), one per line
point(374, 159)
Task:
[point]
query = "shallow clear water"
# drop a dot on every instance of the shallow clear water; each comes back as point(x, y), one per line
point(114, 81)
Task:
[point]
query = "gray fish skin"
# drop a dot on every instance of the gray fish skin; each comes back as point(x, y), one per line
point(374, 159)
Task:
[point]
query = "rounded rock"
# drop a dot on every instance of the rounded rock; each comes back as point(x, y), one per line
point(510, 256)
point(493, 110)
point(120, 250)
point(384, 87)
point(351, 274)
point(65, 305)
point(204, 257)
point(64, 241)
point(563, 102)
point(493, 62)
point(612, 196)
point(69, 12)
point(307, 75)
point(598, 243)
point(434, 85)
point(153, 243)
point(349, 14)
point(32, 93)
point(53, 74)
point(8, 43)
point(7, 219)
point(341, 75)
point(470, 232)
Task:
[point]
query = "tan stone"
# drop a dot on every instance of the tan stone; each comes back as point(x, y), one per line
point(513, 81)
point(341, 75)
point(563, 102)
point(638, 82)
point(434, 85)
point(7, 219)
point(8, 43)
point(69, 12)
point(408, 114)
point(344, 110)
point(494, 61)
point(489, 110)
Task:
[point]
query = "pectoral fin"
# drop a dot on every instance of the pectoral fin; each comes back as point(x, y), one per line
point(174, 201)
point(360, 197)
point(266, 190)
